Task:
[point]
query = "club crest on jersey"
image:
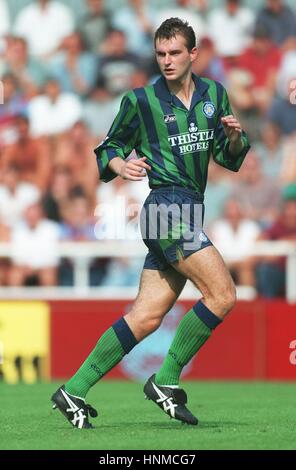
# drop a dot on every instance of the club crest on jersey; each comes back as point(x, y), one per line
point(208, 109)
point(169, 118)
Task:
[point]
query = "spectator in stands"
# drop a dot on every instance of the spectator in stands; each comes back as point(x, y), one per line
point(231, 28)
point(58, 194)
point(4, 19)
point(14, 104)
point(4, 237)
point(44, 24)
point(99, 110)
point(139, 78)
point(53, 112)
point(74, 67)
point(261, 60)
point(217, 193)
point(140, 15)
point(282, 113)
point(286, 82)
point(288, 170)
point(35, 250)
point(15, 195)
point(271, 270)
point(30, 73)
point(31, 155)
point(270, 150)
point(119, 207)
point(117, 64)
point(252, 82)
point(280, 20)
point(117, 200)
point(186, 10)
point(3, 52)
point(234, 235)
point(209, 64)
point(74, 150)
point(258, 196)
point(240, 93)
point(95, 25)
point(78, 225)
point(123, 272)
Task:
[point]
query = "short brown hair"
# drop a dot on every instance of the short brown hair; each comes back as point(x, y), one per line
point(173, 26)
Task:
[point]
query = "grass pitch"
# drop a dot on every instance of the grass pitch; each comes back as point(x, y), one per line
point(233, 415)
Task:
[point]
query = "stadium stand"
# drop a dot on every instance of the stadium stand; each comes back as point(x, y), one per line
point(48, 153)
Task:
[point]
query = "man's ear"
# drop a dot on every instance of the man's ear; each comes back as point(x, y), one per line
point(193, 54)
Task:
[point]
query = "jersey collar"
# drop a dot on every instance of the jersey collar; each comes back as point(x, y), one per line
point(163, 93)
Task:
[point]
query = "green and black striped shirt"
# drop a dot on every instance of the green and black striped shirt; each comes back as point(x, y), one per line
point(177, 142)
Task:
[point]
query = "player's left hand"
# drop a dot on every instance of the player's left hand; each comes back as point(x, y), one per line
point(232, 128)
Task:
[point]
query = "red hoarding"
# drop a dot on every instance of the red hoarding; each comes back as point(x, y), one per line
point(254, 341)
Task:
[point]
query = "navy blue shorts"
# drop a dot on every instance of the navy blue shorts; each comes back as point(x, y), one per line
point(171, 224)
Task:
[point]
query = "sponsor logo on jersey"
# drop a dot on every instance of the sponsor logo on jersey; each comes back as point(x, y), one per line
point(193, 140)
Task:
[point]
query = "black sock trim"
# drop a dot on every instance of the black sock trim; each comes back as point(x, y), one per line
point(206, 316)
point(125, 335)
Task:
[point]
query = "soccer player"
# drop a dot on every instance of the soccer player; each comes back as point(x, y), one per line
point(175, 126)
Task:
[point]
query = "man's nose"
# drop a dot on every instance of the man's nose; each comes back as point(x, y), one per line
point(167, 59)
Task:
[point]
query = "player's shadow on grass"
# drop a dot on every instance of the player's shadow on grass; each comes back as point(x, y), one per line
point(173, 425)
point(221, 424)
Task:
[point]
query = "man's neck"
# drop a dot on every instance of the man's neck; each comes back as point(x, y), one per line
point(183, 89)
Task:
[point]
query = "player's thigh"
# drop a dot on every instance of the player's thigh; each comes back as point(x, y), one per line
point(207, 270)
point(158, 292)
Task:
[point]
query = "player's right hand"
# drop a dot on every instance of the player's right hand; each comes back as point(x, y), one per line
point(134, 170)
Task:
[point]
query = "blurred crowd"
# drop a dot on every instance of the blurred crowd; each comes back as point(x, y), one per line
point(62, 80)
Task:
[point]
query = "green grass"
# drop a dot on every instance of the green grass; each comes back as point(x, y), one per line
point(232, 416)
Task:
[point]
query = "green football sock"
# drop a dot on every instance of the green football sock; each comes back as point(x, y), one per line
point(193, 331)
point(113, 345)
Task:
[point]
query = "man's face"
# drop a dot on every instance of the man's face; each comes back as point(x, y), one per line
point(33, 215)
point(275, 5)
point(116, 43)
point(11, 178)
point(173, 57)
point(95, 6)
point(52, 89)
point(232, 6)
point(261, 45)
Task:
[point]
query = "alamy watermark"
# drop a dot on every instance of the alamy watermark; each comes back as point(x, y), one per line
point(169, 222)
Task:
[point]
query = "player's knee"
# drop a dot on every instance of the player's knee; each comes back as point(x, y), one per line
point(149, 325)
point(227, 300)
point(145, 324)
